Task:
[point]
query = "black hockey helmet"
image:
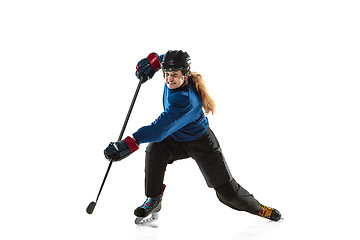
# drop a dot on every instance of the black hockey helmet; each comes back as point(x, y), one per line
point(176, 60)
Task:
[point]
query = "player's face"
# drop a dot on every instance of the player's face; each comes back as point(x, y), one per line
point(174, 79)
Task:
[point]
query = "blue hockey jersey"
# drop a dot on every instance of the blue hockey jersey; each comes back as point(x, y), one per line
point(183, 117)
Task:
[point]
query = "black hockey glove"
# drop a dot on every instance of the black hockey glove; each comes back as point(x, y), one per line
point(117, 151)
point(147, 67)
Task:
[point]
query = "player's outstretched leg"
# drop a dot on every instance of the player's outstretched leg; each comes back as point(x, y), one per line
point(238, 198)
point(148, 211)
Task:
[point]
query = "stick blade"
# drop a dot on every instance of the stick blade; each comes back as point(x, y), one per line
point(91, 207)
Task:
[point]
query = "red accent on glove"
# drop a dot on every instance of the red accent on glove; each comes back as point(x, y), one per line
point(154, 61)
point(131, 144)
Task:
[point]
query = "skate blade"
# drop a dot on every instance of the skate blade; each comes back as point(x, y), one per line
point(147, 220)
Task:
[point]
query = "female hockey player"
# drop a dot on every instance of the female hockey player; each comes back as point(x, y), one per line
point(182, 131)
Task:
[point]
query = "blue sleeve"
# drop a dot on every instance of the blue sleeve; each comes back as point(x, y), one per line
point(161, 57)
point(176, 116)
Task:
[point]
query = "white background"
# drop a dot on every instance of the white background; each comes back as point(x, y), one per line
point(285, 77)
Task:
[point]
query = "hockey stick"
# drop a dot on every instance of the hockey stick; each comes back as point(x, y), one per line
point(92, 205)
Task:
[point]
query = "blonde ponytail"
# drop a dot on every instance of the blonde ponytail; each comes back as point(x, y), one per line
point(197, 81)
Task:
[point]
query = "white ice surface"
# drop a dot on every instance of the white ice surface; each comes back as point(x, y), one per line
point(285, 77)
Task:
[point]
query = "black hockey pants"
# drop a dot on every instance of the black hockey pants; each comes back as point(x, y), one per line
point(206, 151)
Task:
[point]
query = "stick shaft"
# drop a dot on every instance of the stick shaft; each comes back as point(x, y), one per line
point(130, 110)
point(121, 134)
